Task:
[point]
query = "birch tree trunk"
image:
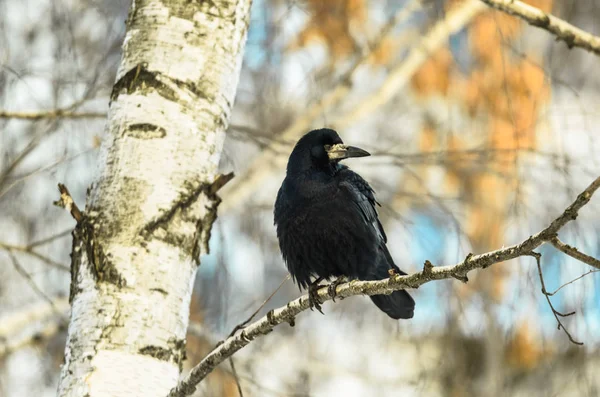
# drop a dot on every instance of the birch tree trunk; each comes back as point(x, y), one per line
point(149, 214)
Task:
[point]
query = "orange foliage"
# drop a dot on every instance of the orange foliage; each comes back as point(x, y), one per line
point(384, 52)
point(452, 3)
point(434, 76)
point(523, 351)
point(428, 141)
point(454, 170)
point(490, 32)
point(509, 90)
point(506, 91)
point(331, 22)
point(544, 5)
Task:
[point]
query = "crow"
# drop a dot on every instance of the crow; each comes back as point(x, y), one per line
point(327, 223)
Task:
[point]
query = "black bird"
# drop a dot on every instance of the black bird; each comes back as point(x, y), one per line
point(327, 223)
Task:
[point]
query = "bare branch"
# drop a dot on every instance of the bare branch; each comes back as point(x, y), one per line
point(22, 178)
point(67, 202)
point(556, 313)
point(13, 323)
point(564, 31)
point(19, 329)
point(235, 376)
point(575, 253)
point(220, 181)
point(288, 313)
point(572, 281)
point(28, 249)
point(29, 280)
point(50, 239)
point(19, 158)
point(247, 321)
point(51, 114)
point(20, 341)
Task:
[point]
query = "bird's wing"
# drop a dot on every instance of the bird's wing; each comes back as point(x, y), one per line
point(363, 196)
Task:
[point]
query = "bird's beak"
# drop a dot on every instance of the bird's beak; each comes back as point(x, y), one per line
point(341, 151)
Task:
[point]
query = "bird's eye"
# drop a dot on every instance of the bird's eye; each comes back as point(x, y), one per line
point(327, 147)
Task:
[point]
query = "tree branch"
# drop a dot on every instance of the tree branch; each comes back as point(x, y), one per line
point(29, 250)
point(575, 253)
point(20, 341)
point(556, 313)
point(39, 312)
point(51, 114)
point(243, 324)
point(66, 201)
point(564, 31)
point(288, 313)
point(29, 279)
point(571, 282)
point(22, 328)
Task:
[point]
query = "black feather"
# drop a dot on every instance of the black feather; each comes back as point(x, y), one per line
point(327, 223)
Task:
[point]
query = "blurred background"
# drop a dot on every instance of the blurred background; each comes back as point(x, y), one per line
point(482, 130)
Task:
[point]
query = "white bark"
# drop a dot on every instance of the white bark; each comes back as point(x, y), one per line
point(149, 214)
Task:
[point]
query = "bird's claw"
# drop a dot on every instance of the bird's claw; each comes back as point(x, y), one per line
point(331, 289)
point(314, 302)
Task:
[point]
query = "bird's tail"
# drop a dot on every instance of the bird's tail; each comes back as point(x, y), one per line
point(399, 304)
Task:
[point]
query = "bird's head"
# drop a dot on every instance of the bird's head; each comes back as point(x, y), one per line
point(321, 149)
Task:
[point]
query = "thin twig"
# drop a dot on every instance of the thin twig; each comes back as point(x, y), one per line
point(556, 313)
point(22, 155)
point(575, 253)
point(572, 281)
point(30, 281)
point(50, 239)
point(30, 251)
point(20, 179)
point(243, 324)
point(564, 31)
point(288, 313)
point(235, 376)
point(18, 159)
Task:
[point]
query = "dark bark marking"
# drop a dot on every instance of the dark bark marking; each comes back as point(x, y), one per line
point(179, 213)
point(144, 131)
point(140, 79)
point(174, 352)
point(85, 239)
point(160, 291)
